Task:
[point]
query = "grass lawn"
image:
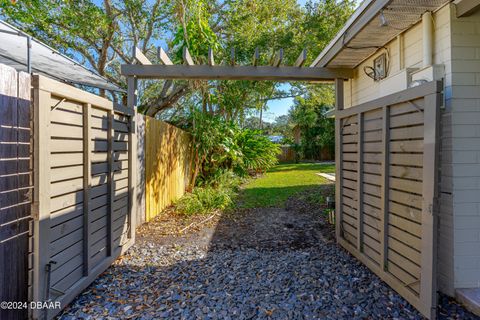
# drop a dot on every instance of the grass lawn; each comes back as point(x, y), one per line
point(282, 181)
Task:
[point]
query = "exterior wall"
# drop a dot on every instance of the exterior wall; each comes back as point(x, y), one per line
point(464, 121)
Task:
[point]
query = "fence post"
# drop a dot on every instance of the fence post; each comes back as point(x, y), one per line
point(132, 176)
point(339, 105)
point(360, 182)
point(132, 158)
point(428, 274)
point(111, 183)
point(385, 188)
point(41, 204)
point(87, 184)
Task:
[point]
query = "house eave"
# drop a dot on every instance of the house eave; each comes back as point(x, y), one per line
point(372, 26)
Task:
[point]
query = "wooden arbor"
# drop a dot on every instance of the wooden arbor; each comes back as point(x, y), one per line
point(144, 69)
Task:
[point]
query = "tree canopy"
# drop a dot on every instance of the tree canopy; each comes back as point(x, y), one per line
point(101, 34)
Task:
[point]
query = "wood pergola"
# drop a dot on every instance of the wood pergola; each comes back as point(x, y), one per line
point(144, 69)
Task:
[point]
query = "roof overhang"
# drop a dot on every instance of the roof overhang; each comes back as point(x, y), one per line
point(466, 8)
point(45, 60)
point(372, 26)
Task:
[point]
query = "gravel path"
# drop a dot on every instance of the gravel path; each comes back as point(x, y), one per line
point(257, 264)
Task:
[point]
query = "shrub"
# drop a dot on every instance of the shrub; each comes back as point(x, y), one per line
point(204, 200)
point(257, 152)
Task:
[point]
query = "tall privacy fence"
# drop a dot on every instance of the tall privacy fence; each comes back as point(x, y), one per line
point(15, 189)
point(386, 189)
point(74, 183)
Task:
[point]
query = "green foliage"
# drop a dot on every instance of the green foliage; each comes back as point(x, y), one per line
point(317, 131)
point(204, 200)
point(257, 152)
point(220, 146)
point(218, 193)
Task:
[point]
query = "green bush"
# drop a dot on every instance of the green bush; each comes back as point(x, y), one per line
point(257, 152)
point(205, 200)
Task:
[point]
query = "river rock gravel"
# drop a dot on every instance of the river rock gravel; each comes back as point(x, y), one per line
point(273, 263)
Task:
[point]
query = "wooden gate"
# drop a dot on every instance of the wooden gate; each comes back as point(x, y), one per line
point(84, 186)
point(386, 191)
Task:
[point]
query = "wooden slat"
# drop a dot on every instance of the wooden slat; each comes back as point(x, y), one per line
point(409, 119)
point(406, 251)
point(405, 211)
point(407, 146)
point(415, 132)
point(405, 198)
point(406, 185)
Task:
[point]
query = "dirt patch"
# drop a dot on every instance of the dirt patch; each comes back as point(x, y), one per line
point(301, 224)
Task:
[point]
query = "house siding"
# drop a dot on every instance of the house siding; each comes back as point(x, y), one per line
point(362, 89)
point(465, 145)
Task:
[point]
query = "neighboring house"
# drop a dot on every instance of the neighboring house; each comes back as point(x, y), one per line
point(399, 44)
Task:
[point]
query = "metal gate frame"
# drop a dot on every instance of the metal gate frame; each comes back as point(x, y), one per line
point(43, 89)
point(426, 301)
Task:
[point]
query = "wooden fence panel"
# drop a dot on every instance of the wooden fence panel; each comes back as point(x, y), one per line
point(387, 189)
point(15, 189)
point(167, 165)
point(83, 200)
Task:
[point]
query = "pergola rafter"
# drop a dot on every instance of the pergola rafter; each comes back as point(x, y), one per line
point(144, 69)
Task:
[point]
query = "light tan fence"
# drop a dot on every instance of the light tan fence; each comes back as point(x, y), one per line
point(83, 196)
point(387, 186)
point(167, 162)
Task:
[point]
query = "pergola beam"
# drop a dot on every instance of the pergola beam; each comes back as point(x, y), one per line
point(277, 60)
point(163, 57)
point(205, 72)
point(140, 57)
point(301, 58)
point(187, 58)
point(211, 58)
point(256, 57)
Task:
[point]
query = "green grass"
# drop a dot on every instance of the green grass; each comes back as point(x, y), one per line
point(281, 182)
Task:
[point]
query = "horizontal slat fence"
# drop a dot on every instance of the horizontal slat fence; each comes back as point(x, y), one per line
point(84, 186)
point(168, 155)
point(15, 189)
point(387, 189)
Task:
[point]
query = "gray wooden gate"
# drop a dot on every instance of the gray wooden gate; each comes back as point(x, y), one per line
point(386, 189)
point(84, 186)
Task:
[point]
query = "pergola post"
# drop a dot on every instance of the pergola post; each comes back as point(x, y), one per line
point(132, 84)
point(339, 105)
